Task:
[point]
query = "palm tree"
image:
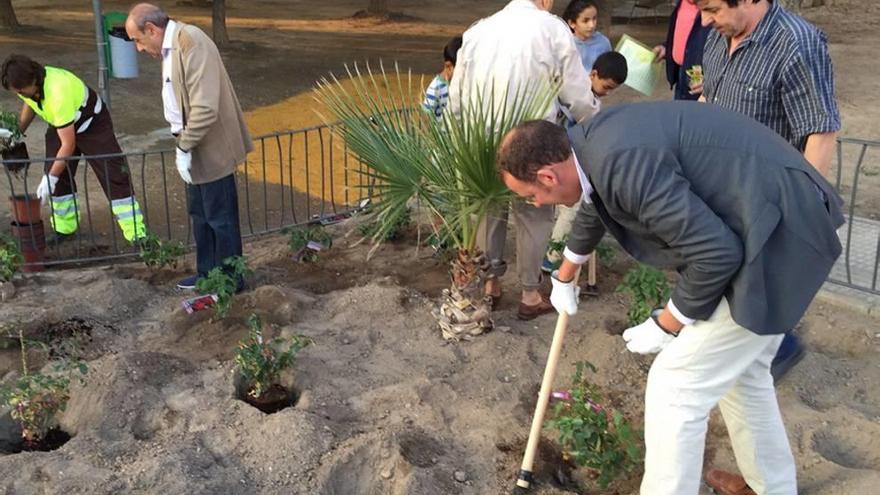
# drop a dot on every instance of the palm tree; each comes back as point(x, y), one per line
point(448, 165)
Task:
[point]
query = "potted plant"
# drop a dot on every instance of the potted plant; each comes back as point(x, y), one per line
point(35, 398)
point(260, 363)
point(11, 145)
point(26, 208)
point(448, 165)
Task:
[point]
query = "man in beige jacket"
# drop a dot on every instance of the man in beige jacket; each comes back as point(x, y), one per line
point(205, 117)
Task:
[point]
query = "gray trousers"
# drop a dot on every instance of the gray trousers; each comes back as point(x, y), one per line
point(533, 227)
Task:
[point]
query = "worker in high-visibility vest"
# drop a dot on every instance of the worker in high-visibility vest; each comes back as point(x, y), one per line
point(79, 124)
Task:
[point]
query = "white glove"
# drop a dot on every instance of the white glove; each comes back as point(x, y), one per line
point(46, 187)
point(647, 338)
point(564, 296)
point(5, 133)
point(184, 164)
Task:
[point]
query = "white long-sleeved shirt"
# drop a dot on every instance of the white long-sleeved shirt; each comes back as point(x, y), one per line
point(169, 100)
point(521, 46)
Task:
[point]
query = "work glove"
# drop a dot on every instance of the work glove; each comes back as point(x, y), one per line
point(5, 133)
point(648, 337)
point(184, 164)
point(564, 296)
point(46, 187)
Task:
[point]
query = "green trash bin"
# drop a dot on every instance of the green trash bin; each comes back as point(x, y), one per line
point(121, 52)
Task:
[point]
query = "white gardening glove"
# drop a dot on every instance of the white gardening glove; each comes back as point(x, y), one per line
point(184, 164)
point(564, 296)
point(5, 133)
point(46, 187)
point(647, 338)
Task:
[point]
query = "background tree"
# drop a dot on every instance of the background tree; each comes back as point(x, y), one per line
point(8, 19)
point(218, 23)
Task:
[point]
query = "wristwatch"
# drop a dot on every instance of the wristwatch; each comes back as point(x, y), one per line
point(656, 319)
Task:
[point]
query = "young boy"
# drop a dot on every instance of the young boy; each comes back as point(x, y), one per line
point(608, 73)
point(437, 93)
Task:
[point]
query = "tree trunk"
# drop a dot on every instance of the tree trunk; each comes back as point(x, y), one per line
point(465, 310)
point(377, 7)
point(8, 19)
point(218, 23)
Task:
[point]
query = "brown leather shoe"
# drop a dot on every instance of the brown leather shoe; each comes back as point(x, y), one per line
point(724, 483)
point(530, 312)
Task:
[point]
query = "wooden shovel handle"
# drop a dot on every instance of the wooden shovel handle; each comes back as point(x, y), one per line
point(524, 479)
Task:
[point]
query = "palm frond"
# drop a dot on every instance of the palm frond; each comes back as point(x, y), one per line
point(448, 164)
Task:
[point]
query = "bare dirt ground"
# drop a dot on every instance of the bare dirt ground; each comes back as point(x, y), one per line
point(386, 406)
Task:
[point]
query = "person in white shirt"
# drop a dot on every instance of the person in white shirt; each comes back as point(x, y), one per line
point(521, 46)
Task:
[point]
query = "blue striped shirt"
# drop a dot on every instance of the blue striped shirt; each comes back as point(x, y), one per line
point(436, 96)
point(780, 75)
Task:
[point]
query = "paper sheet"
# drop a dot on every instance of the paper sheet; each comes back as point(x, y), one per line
point(642, 72)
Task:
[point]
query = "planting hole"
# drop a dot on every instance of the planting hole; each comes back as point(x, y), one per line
point(53, 440)
point(276, 398)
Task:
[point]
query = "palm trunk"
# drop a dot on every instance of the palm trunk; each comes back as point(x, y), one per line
point(466, 311)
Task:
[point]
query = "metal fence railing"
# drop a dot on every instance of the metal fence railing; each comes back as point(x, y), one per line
point(295, 177)
point(291, 178)
point(857, 179)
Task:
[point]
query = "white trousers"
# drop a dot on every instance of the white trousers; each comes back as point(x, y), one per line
point(715, 362)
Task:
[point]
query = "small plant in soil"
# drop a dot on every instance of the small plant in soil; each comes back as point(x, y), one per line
point(300, 237)
point(261, 361)
point(223, 281)
point(649, 289)
point(592, 434)
point(605, 252)
point(10, 259)
point(380, 230)
point(36, 397)
point(156, 253)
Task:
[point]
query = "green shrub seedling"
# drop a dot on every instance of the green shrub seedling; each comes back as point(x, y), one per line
point(648, 288)
point(260, 362)
point(593, 435)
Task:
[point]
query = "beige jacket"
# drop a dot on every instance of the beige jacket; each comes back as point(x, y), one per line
point(214, 129)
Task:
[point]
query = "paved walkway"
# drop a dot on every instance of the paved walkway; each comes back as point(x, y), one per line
point(861, 257)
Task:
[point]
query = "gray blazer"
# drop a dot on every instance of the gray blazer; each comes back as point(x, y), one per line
point(719, 197)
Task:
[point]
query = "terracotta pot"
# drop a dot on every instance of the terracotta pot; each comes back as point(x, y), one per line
point(32, 240)
point(25, 209)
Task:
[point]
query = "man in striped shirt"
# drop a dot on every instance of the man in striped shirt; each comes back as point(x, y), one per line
point(772, 65)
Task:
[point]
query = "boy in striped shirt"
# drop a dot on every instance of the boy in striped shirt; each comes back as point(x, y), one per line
point(437, 93)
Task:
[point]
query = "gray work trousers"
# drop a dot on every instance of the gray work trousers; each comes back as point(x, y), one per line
point(533, 227)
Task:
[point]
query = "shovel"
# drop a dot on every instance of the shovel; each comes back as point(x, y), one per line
point(524, 480)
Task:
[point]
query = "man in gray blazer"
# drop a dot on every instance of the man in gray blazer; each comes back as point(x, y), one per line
point(748, 224)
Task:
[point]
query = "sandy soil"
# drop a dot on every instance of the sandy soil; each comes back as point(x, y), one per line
point(386, 405)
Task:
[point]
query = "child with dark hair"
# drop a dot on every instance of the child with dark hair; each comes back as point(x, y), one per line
point(608, 73)
point(437, 93)
point(582, 18)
